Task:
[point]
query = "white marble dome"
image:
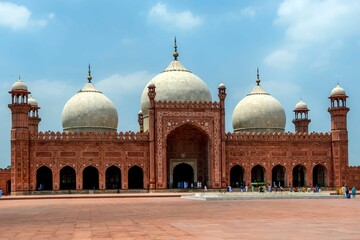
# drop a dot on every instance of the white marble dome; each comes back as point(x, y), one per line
point(338, 90)
point(301, 105)
point(175, 83)
point(19, 85)
point(259, 112)
point(89, 110)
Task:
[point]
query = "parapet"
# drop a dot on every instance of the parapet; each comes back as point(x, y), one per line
point(288, 136)
point(91, 136)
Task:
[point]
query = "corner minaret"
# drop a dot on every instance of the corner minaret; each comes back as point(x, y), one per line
point(301, 120)
point(20, 134)
point(339, 135)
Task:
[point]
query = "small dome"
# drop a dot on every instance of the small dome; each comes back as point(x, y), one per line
point(221, 85)
point(32, 101)
point(259, 112)
point(301, 105)
point(338, 90)
point(89, 110)
point(19, 85)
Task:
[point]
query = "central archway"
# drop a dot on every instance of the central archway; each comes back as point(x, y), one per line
point(90, 178)
point(183, 176)
point(113, 178)
point(189, 145)
point(299, 176)
point(44, 178)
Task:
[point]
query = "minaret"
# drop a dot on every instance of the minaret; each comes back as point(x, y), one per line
point(301, 119)
point(20, 133)
point(339, 135)
point(34, 118)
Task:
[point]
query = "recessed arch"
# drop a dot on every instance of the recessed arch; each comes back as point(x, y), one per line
point(299, 176)
point(258, 174)
point(237, 173)
point(190, 145)
point(67, 178)
point(44, 178)
point(136, 177)
point(113, 178)
point(90, 178)
point(319, 175)
point(278, 176)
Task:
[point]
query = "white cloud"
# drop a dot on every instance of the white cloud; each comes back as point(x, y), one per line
point(169, 19)
point(18, 17)
point(311, 25)
point(248, 11)
point(280, 58)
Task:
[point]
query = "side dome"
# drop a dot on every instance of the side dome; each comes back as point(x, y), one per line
point(259, 112)
point(89, 110)
point(19, 85)
point(338, 90)
point(175, 83)
point(32, 101)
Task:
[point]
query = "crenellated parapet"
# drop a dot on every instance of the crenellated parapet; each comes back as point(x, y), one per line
point(187, 104)
point(288, 136)
point(91, 136)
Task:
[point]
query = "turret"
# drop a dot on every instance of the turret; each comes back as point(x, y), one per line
point(34, 118)
point(301, 120)
point(339, 134)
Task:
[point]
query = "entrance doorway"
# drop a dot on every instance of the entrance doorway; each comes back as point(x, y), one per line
point(113, 178)
point(237, 176)
point(258, 174)
point(44, 178)
point(278, 176)
point(90, 178)
point(299, 176)
point(189, 145)
point(136, 178)
point(67, 178)
point(183, 176)
point(319, 176)
point(8, 187)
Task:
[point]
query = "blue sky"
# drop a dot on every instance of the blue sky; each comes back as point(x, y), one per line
point(302, 48)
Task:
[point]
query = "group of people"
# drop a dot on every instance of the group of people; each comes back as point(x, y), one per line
point(345, 191)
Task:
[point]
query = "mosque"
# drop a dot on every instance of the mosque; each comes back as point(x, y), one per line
point(181, 142)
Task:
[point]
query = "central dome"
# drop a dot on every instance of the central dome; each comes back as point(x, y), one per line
point(89, 110)
point(259, 112)
point(175, 83)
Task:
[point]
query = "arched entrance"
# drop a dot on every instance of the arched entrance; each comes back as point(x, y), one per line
point(113, 178)
point(278, 176)
point(319, 176)
point(44, 178)
point(258, 174)
point(188, 145)
point(237, 176)
point(67, 178)
point(136, 178)
point(183, 176)
point(8, 187)
point(299, 174)
point(90, 178)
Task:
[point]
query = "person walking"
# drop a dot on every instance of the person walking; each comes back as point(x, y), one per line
point(353, 191)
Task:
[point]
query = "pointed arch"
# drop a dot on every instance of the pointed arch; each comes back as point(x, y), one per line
point(183, 175)
point(44, 178)
point(237, 174)
point(258, 174)
point(136, 177)
point(278, 176)
point(90, 178)
point(113, 177)
point(299, 176)
point(67, 178)
point(320, 176)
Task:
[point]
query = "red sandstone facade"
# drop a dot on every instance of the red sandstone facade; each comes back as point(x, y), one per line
point(186, 142)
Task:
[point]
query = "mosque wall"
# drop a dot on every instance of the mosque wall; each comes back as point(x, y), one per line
point(5, 178)
point(287, 150)
point(353, 175)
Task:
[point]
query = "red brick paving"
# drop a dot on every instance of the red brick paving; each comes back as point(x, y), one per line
point(177, 218)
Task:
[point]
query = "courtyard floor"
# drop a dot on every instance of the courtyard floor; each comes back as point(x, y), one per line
point(178, 218)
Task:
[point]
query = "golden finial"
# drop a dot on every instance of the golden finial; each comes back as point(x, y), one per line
point(257, 77)
point(175, 54)
point(89, 76)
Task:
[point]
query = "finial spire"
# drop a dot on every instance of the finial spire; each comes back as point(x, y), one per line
point(175, 54)
point(257, 77)
point(89, 76)
point(20, 78)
